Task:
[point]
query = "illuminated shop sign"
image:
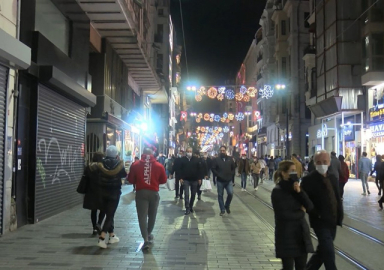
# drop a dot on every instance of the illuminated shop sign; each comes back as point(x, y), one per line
point(322, 132)
point(349, 133)
point(376, 113)
point(377, 129)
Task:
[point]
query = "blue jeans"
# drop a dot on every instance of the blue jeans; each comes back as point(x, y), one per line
point(325, 252)
point(220, 192)
point(364, 181)
point(243, 180)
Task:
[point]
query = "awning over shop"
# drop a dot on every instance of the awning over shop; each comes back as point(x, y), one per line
point(327, 107)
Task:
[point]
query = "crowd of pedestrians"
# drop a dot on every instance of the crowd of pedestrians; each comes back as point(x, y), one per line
point(319, 194)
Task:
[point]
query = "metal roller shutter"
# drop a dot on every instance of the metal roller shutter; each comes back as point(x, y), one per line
point(59, 153)
point(3, 91)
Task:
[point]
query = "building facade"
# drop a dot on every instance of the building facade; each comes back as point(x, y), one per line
point(335, 91)
point(14, 57)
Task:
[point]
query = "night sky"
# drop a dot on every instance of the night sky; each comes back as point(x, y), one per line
point(218, 35)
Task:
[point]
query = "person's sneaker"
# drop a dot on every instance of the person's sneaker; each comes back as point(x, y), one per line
point(222, 213)
point(363, 193)
point(176, 197)
point(242, 189)
point(113, 239)
point(369, 192)
point(256, 188)
point(151, 237)
point(102, 243)
point(146, 245)
point(94, 232)
point(228, 210)
point(380, 204)
point(187, 212)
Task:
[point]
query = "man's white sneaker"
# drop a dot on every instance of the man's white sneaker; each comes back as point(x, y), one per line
point(256, 188)
point(242, 189)
point(113, 239)
point(102, 243)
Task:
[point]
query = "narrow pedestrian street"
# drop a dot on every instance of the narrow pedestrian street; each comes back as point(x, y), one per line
point(203, 240)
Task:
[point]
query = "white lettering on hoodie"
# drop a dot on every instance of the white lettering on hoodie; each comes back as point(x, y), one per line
point(147, 170)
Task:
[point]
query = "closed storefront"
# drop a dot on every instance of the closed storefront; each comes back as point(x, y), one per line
point(59, 153)
point(3, 89)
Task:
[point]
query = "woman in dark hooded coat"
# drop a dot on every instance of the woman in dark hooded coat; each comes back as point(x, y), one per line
point(292, 234)
point(92, 198)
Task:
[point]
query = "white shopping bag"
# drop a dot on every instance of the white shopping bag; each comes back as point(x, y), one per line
point(206, 185)
point(171, 184)
point(250, 179)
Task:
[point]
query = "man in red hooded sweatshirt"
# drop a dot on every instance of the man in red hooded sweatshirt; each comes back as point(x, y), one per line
point(147, 175)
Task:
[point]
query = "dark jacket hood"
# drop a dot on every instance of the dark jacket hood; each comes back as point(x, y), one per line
point(109, 166)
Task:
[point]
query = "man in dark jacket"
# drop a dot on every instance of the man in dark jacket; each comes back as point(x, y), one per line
point(224, 168)
point(191, 175)
point(110, 172)
point(322, 188)
point(176, 170)
point(335, 167)
point(204, 173)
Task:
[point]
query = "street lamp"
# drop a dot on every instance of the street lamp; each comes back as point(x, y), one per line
point(282, 87)
point(193, 114)
point(191, 88)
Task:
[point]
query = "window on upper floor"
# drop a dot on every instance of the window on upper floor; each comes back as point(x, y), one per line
point(283, 27)
point(284, 67)
point(52, 24)
point(277, 31)
point(306, 17)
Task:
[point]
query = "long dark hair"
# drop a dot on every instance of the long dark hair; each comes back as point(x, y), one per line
point(98, 157)
point(378, 158)
point(283, 167)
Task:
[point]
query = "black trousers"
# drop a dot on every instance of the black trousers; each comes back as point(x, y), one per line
point(325, 252)
point(94, 218)
point(256, 178)
point(178, 188)
point(199, 191)
point(297, 263)
point(214, 178)
point(110, 203)
point(378, 183)
point(193, 184)
point(341, 189)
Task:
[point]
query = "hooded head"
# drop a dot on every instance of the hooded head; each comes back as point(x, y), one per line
point(112, 152)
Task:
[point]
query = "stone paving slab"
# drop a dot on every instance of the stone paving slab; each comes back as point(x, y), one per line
point(203, 240)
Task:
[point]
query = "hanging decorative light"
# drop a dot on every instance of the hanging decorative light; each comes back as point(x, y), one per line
point(231, 133)
point(211, 120)
point(206, 117)
point(201, 91)
point(252, 91)
point(198, 98)
point(239, 116)
point(243, 89)
point(266, 92)
point(226, 129)
point(203, 129)
point(221, 135)
point(220, 129)
point(229, 94)
point(221, 90)
point(225, 115)
point(217, 118)
point(198, 120)
point(220, 97)
point(230, 116)
point(239, 96)
point(223, 119)
point(246, 98)
point(212, 92)
point(200, 115)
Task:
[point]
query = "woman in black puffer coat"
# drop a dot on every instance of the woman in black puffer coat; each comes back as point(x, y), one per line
point(292, 235)
point(92, 197)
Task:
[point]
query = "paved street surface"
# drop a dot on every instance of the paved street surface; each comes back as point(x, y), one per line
point(203, 240)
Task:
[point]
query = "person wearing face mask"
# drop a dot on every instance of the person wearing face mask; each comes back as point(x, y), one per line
point(243, 170)
point(323, 190)
point(292, 234)
point(224, 168)
point(191, 176)
point(255, 168)
point(176, 171)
